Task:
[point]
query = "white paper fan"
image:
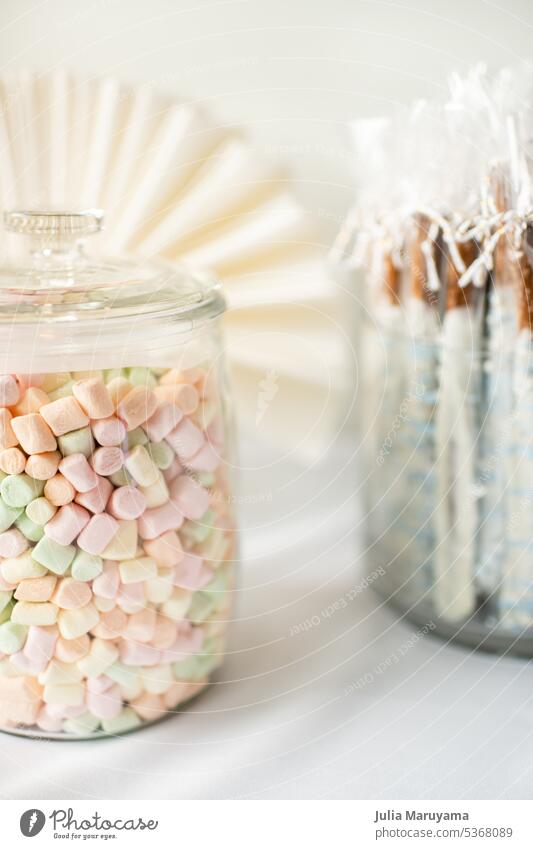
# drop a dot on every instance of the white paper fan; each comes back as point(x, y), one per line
point(174, 184)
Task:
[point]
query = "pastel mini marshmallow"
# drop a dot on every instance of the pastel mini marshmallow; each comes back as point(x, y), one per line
point(186, 439)
point(149, 706)
point(71, 594)
point(93, 397)
point(12, 461)
point(34, 613)
point(7, 434)
point(138, 569)
point(177, 605)
point(165, 549)
point(207, 459)
point(74, 623)
point(141, 466)
point(126, 502)
point(138, 654)
point(102, 654)
point(70, 651)
point(40, 644)
point(33, 433)
point(40, 510)
point(43, 466)
point(59, 491)
point(12, 543)
point(182, 395)
point(157, 493)
point(64, 695)
point(192, 573)
point(137, 406)
point(31, 401)
point(191, 498)
point(58, 672)
point(76, 469)
point(141, 626)
point(118, 388)
point(106, 705)
point(123, 546)
point(112, 624)
point(164, 419)
point(158, 520)
point(131, 598)
point(98, 533)
point(96, 499)
point(109, 432)
point(106, 584)
point(15, 569)
point(67, 523)
point(158, 679)
point(36, 589)
point(107, 461)
point(63, 416)
point(9, 390)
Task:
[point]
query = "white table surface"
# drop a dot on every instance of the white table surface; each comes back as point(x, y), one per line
point(284, 720)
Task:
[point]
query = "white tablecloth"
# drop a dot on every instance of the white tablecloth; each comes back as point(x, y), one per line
point(313, 702)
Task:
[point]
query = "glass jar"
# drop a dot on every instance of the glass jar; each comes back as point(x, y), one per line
point(447, 480)
point(117, 540)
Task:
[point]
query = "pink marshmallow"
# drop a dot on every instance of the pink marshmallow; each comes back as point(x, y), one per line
point(96, 499)
point(93, 396)
point(109, 432)
point(107, 583)
point(173, 470)
point(191, 498)
point(100, 684)
point(97, 533)
point(137, 406)
point(107, 461)
point(138, 654)
point(28, 665)
point(9, 390)
point(165, 419)
point(206, 460)
point(40, 644)
point(77, 470)
point(127, 502)
point(184, 646)
point(141, 626)
point(12, 543)
point(46, 721)
point(131, 597)
point(156, 521)
point(165, 549)
point(67, 523)
point(107, 704)
point(186, 439)
point(192, 573)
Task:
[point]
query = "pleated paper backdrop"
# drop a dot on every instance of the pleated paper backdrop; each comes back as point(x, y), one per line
point(174, 184)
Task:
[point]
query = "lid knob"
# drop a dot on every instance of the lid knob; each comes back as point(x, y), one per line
point(54, 224)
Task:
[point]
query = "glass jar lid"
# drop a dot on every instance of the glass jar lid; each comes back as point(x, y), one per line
point(56, 280)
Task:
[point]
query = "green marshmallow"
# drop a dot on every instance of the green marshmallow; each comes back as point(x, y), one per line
point(201, 607)
point(12, 637)
point(79, 725)
point(196, 667)
point(19, 490)
point(121, 478)
point(5, 598)
point(206, 479)
point(85, 566)
point(111, 373)
point(79, 441)
point(8, 515)
point(198, 532)
point(40, 511)
point(217, 585)
point(30, 529)
point(141, 376)
point(57, 558)
point(62, 391)
point(5, 614)
point(125, 721)
point(161, 453)
point(136, 436)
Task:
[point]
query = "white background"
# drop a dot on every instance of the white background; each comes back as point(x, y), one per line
point(285, 720)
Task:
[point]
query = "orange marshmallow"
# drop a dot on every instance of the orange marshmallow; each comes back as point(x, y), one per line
point(7, 435)
point(64, 415)
point(93, 396)
point(137, 406)
point(183, 395)
point(165, 549)
point(12, 461)
point(36, 589)
point(149, 706)
point(31, 402)
point(118, 388)
point(20, 700)
point(59, 491)
point(33, 433)
point(43, 466)
point(71, 594)
point(69, 651)
point(111, 625)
